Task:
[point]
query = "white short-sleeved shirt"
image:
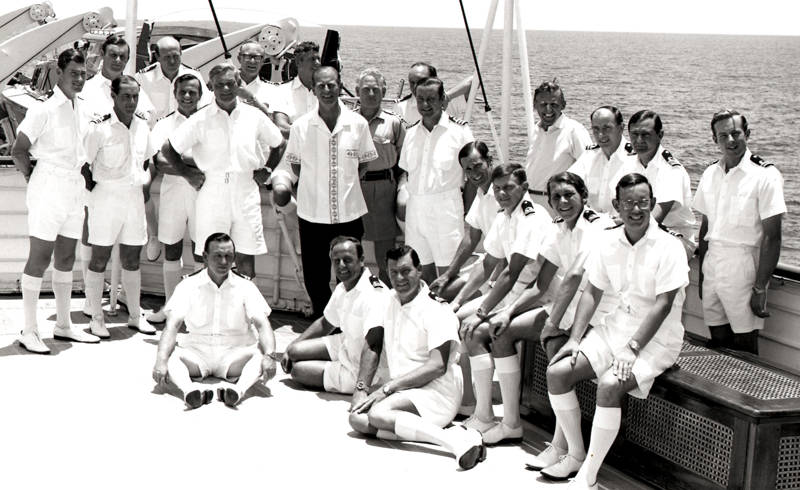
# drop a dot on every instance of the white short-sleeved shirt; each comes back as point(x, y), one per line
point(295, 100)
point(165, 127)
point(737, 201)
point(97, 94)
point(601, 174)
point(117, 153)
point(637, 274)
point(227, 143)
point(431, 157)
point(520, 232)
point(483, 211)
point(355, 312)
point(567, 248)
point(329, 189)
point(407, 108)
point(218, 316)
point(414, 329)
point(161, 90)
point(554, 149)
point(671, 182)
point(56, 129)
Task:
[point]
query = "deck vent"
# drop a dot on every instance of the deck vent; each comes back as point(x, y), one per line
point(750, 379)
point(788, 463)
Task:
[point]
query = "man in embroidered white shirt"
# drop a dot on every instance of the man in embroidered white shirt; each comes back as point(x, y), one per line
point(328, 151)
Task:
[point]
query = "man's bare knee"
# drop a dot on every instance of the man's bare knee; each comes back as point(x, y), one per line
point(610, 390)
point(129, 257)
point(173, 251)
point(558, 376)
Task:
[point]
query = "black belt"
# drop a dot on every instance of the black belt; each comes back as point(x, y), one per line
point(378, 175)
point(537, 193)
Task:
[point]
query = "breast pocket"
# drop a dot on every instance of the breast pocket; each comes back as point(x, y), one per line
point(444, 154)
point(745, 208)
point(115, 154)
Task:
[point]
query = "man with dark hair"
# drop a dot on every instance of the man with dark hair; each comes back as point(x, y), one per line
point(646, 267)
point(176, 207)
point(297, 97)
point(419, 336)
point(320, 359)
point(454, 99)
point(239, 350)
point(741, 200)
point(328, 151)
point(117, 145)
point(430, 188)
point(51, 132)
point(670, 181)
point(226, 139)
point(605, 162)
point(557, 140)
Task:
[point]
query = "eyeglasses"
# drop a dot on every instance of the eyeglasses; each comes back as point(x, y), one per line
point(251, 57)
point(628, 204)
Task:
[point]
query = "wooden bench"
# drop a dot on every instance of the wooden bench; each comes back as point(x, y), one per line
point(717, 420)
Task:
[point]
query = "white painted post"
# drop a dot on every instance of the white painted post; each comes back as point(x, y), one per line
point(522, 43)
point(505, 107)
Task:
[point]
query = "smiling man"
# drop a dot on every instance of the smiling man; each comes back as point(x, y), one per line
point(645, 267)
point(741, 199)
point(318, 359)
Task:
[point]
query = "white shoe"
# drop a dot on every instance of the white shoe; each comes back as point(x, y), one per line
point(502, 432)
point(141, 325)
point(548, 457)
point(157, 317)
point(33, 343)
point(480, 425)
point(566, 467)
point(86, 309)
point(74, 334)
point(97, 325)
point(153, 249)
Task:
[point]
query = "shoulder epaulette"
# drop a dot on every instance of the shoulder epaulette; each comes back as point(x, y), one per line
point(194, 273)
point(166, 116)
point(592, 147)
point(714, 162)
point(79, 97)
point(49, 94)
point(614, 227)
point(760, 161)
point(140, 115)
point(673, 233)
point(405, 97)
point(376, 283)
point(100, 119)
point(412, 125)
point(629, 149)
point(670, 159)
point(150, 68)
point(240, 274)
point(527, 208)
point(558, 219)
point(187, 66)
point(458, 121)
point(270, 82)
point(590, 216)
point(436, 297)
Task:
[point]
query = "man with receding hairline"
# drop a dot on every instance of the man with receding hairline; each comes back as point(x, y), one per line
point(255, 91)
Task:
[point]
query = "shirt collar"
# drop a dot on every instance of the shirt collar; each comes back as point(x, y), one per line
point(744, 165)
point(205, 280)
point(652, 229)
point(317, 119)
point(216, 109)
point(58, 96)
point(297, 84)
point(420, 297)
point(518, 208)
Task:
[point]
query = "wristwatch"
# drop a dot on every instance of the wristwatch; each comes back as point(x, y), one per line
point(361, 386)
point(481, 314)
point(634, 346)
point(385, 389)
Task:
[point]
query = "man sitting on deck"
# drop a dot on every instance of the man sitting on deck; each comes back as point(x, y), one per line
point(219, 307)
point(320, 360)
point(646, 267)
point(420, 337)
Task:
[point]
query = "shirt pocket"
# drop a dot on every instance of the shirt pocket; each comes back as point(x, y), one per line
point(115, 153)
point(445, 154)
point(745, 208)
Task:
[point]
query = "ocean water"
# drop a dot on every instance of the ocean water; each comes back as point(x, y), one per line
point(683, 77)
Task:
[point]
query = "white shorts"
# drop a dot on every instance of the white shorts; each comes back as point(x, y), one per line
point(729, 274)
point(652, 360)
point(230, 203)
point(339, 377)
point(55, 198)
point(438, 401)
point(176, 208)
point(214, 360)
point(116, 213)
point(435, 226)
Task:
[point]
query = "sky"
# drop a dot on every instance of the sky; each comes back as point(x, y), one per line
point(765, 17)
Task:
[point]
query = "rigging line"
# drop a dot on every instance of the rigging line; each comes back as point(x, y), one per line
point(219, 30)
point(486, 106)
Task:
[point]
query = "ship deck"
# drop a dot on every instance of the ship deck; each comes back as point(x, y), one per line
point(90, 416)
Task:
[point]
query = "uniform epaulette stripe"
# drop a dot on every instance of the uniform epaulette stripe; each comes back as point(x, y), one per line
point(194, 273)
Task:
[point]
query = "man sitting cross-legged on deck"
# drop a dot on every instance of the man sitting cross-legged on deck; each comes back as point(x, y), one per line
point(646, 267)
point(420, 338)
point(562, 255)
point(219, 307)
point(320, 360)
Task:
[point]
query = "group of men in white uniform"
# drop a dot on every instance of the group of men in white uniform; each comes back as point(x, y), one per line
point(594, 275)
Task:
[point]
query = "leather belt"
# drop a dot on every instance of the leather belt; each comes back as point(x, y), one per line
point(378, 175)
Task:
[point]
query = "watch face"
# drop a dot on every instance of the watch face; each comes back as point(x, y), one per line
point(361, 386)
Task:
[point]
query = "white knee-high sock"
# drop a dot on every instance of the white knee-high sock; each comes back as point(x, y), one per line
point(568, 417)
point(132, 284)
point(509, 375)
point(605, 428)
point(31, 286)
point(410, 427)
point(62, 289)
point(481, 368)
point(94, 291)
point(172, 276)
